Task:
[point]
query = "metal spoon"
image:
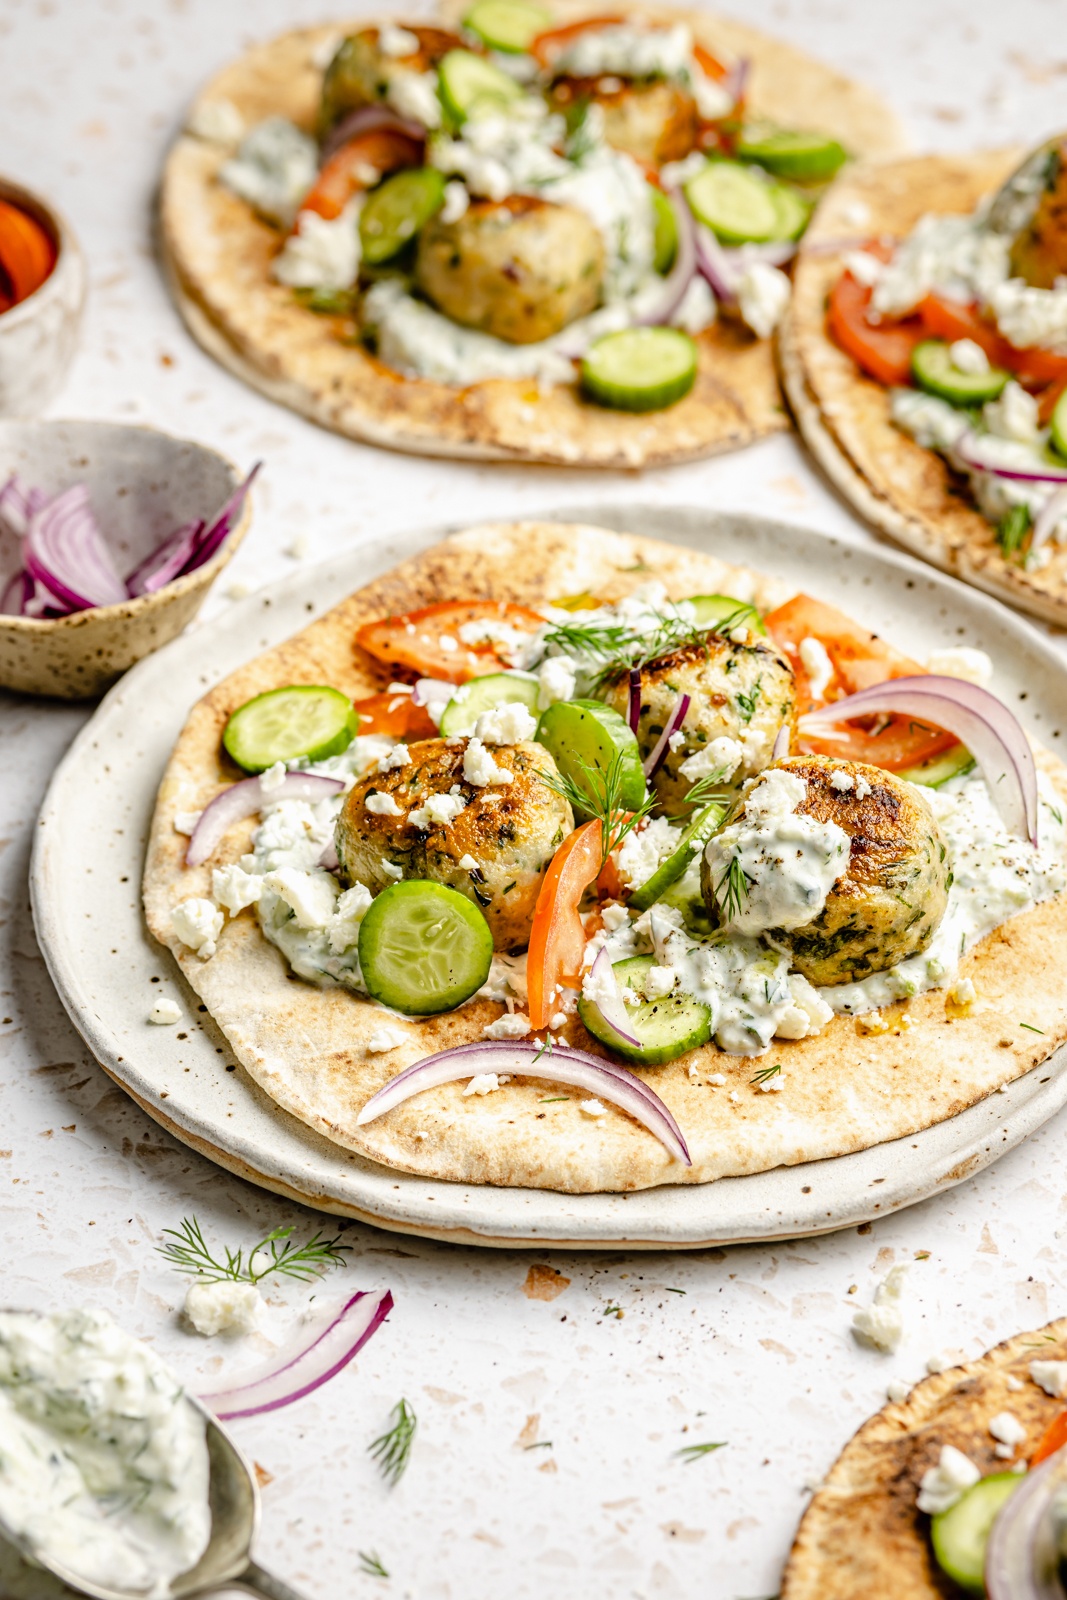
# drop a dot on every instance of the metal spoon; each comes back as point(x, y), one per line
point(227, 1562)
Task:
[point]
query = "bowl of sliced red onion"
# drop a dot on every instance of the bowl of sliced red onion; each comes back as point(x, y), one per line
point(110, 537)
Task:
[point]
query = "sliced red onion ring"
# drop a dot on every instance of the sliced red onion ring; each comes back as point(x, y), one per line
point(165, 563)
point(245, 799)
point(329, 1352)
point(612, 1009)
point(1051, 512)
point(17, 593)
point(222, 524)
point(328, 858)
point(977, 718)
point(716, 265)
point(562, 1064)
point(674, 722)
point(64, 550)
point(368, 119)
point(681, 274)
point(18, 503)
point(633, 712)
point(969, 449)
point(736, 80)
point(781, 743)
point(1021, 1560)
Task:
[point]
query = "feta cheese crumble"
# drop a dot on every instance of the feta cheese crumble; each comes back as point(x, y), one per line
point(197, 923)
point(881, 1324)
point(482, 1083)
point(512, 1025)
point(225, 1307)
point(506, 724)
point(165, 1012)
point(1050, 1376)
point(380, 804)
point(438, 811)
point(946, 1483)
point(480, 767)
point(383, 1040)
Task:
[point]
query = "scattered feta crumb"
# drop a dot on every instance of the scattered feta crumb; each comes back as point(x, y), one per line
point(872, 1022)
point(963, 992)
point(557, 679)
point(614, 915)
point(963, 662)
point(216, 122)
point(772, 1085)
point(720, 759)
point(506, 724)
point(1008, 1431)
point(197, 923)
point(592, 1108)
point(186, 821)
point(456, 202)
point(717, 1079)
point(817, 664)
point(297, 548)
point(881, 1324)
point(398, 756)
point(734, 1096)
point(1016, 1385)
point(676, 740)
point(310, 896)
point(165, 1011)
point(234, 888)
point(936, 1364)
point(238, 591)
point(946, 1483)
point(225, 1307)
point(762, 297)
point(863, 788)
point(865, 268)
point(467, 862)
point(659, 981)
point(841, 781)
point(1050, 1376)
point(693, 1073)
point(967, 356)
point(512, 1025)
point(480, 768)
point(483, 1083)
point(389, 869)
point(393, 40)
point(558, 1021)
point(438, 811)
point(448, 644)
point(271, 780)
point(385, 1039)
point(897, 1390)
point(380, 804)
point(348, 912)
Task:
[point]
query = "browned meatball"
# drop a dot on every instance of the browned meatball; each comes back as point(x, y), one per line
point(360, 71)
point(1039, 253)
point(655, 122)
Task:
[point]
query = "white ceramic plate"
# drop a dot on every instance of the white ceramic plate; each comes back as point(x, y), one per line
point(85, 883)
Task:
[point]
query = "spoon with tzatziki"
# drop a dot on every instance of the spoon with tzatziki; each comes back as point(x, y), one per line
point(112, 1477)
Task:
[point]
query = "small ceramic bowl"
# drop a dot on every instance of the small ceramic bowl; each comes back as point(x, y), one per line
point(142, 485)
point(38, 336)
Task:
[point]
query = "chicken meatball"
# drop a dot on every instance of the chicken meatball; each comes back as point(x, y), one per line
point(1039, 252)
point(885, 876)
point(520, 269)
point(361, 72)
point(425, 819)
point(741, 694)
point(654, 122)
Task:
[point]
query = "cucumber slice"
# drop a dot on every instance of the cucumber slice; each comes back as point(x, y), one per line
point(939, 769)
point(397, 210)
point(793, 211)
point(587, 733)
point(665, 231)
point(734, 203)
point(303, 721)
point(482, 694)
point(640, 369)
point(423, 948)
point(469, 84)
point(933, 370)
point(713, 609)
point(666, 1027)
point(960, 1534)
point(802, 157)
point(693, 840)
point(507, 25)
point(1059, 425)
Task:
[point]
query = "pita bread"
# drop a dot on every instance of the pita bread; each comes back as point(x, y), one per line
point(906, 491)
point(863, 1534)
point(307, 1047)
point(217, 256)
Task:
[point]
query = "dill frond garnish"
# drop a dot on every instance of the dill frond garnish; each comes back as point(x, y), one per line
point(393, 1449)
point(188, 1251)
point(1012, 530)
point(370, 1562)
point(614, 647)
point(695, 1452)
point(746, 703)
point(732, 889)
point(600, 797)
point(765, 1074)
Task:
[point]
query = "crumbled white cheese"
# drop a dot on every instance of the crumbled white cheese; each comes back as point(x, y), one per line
point(1014, 415)
point(628, 52)
point(717, 1079)
point(216, 122)
point(414, 95)
point(719, 760)
point(936, 1364)
point(483, 1083)
point(1008, 1432)
point(234, 888)
point(963, 992)
point(1027, 316)
point(1016, 1385)
point(381, 804)
point(842, 781)
point(818, 666)
point(480, 767)
point(946, 1483)
point(506, 724)
point(863, 788)
point(881, 1324)
point(808, 1013)
point(186, 821)
point(197, 923)
point(512, 1025)
point(467, 862)
point(271, 780)
point(643, 849)
point(659, 981)
point(398, 756)
point(389, 869)
point(456, 202)
point(963, 662)
point(614, 915)
point(351, 907)
point(1050, 1376)
point(592, 1108)
point(311, 896)
point(321, 252)
point(697, 309)
point(558, 1021)
point(165, 1011)
point(557, 679)
point(273, 169)
point(437, 811)
point(897, 1390)
point(385, 1039)
point(966, 356)
point(864, 267)
point(225, 1307)
point(394, 40)
point(762, 296)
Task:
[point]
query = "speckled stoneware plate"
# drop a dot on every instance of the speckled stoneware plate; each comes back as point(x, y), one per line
point(86, 874)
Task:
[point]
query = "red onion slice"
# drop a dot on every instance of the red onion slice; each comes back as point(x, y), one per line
point(977, 718)
point(368, 119)
point(1021, 1560)
point(1054, 508)
point(681, 274)
point(329, 1352)
point(221, 525)
point(674, 722)
point(716, 265)
point(736, 80)
point(633, 710)
point(968, 448)
point(165, 563)
point(17, 593)
point(781, 743)
point(18, 503)
point(562, 1065)
point(245, 799)
point(612, 1010)
point(64, 549)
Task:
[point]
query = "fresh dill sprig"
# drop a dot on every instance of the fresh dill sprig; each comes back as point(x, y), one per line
point(746, 703)
point(187, 1251)
point(600, 797)
point(615, 648)
point(695, 1452)
point(393, 1449)
point(370, 1562)
point(708, 791)
point(601, 640)
point(765, 1074)
point(545, 1050)
point(613, 1311)
point(1012, 530)
point(732, 889)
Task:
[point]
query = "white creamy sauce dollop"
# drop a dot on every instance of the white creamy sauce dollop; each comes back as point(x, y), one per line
point(103, 1461)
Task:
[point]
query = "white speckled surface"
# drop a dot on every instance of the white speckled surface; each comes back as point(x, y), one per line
point(757, 1350)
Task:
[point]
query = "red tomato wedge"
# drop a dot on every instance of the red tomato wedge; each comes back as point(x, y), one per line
point(1054, 1438)
point(395, 715)
point(357, 165)
point(949, 320)
point(413, 641)
point(553, 41)
point(883, 351)
point(557, 937)
point(27, 255)
point(859, 659)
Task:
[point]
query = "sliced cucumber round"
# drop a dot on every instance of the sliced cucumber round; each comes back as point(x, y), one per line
point(640, 369)
point(934, 370)
point(398, 210)
point(587, 739)
point(482, 694)
point(664, 231)
point(794, 212)
point(667, 1027)
point(1059, 425)
point(802, 157)
point(692, 841)
point(738, 206)
point(714, 609)
point(508, 25)
point(939, 769)
point(423, 948)
point(305, 721)
point(960, 1534)
point(472, 85)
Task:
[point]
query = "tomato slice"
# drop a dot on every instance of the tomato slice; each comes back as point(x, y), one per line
point(950, 320)
point(557, 937)
point(428, 641)
point(882, 351)
point(1054, 1438)
point(358, 165)
point(859, 659)
point(553, 41)
point(396, 715)
point(27, 255)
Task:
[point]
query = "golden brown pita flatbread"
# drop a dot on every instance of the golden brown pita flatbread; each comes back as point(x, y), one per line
point(906, 491)
point(863, 1534)
point(218, 255)
point(844, 1090)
